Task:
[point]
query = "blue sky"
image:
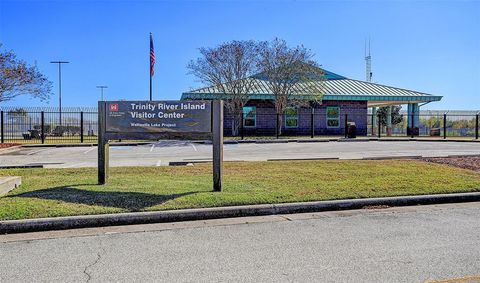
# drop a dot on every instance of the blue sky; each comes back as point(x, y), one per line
point(428, 46)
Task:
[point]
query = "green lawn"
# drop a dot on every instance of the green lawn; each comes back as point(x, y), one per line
point(60, 192)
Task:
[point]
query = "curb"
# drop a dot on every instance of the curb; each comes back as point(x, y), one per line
point(8, 149)
point(9, 183)
point(60, 223)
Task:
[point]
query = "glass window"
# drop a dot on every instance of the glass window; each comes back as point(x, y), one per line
point(291, 117)
point(333, 117)
point(249, 116)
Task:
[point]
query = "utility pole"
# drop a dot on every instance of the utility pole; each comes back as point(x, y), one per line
point(60, 86)
point(101, 87)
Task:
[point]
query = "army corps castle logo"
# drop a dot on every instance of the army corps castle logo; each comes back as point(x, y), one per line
point(113, 107)
point(114, 110)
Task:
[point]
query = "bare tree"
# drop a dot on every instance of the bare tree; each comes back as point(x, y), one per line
point(228, 68)
point(294, 78)
point(18, 78)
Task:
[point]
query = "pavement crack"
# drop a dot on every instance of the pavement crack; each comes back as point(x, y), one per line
point(89, 276)
point(99, 256)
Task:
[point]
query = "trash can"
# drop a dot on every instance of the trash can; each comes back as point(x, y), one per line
point(435, 132)
point(351, 130)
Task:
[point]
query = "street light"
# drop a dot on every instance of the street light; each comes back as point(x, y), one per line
point(60, 86)
point(101, 87)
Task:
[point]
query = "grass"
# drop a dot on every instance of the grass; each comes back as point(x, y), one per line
point(61, 192)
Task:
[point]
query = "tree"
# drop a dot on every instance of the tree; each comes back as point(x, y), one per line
point(17, 113)
point(431, 122)
point(397, 118)
point(293, 76)
point(19, 78)
point(228, 68)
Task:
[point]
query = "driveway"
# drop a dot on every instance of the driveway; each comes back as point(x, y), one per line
point(163, 152)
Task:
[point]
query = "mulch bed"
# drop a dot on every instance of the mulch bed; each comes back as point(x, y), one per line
point(467, 162)
point(7, 145)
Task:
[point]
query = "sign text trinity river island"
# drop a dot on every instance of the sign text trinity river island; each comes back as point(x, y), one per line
point(158, 116)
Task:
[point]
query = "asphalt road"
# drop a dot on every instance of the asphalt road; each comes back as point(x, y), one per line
point(410, 244)
point(162, 153)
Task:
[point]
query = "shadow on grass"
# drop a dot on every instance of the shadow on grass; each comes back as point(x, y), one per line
point(127, 200)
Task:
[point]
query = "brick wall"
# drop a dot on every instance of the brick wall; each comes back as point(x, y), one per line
point(266, 118)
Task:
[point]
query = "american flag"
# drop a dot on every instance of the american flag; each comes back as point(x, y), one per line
point(152, 56)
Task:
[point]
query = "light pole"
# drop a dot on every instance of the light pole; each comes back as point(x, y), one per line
point(60, 86)
point(101, 87)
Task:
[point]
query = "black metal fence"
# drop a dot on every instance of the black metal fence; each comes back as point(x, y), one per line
point(21, 126)
point(80, 126)
point(440, 126)
point(318, 125)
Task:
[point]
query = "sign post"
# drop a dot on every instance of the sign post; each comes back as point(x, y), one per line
point(217, 142)
point(103, 147)
point(153, 120)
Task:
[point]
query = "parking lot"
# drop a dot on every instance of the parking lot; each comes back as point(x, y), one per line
point(164, 153)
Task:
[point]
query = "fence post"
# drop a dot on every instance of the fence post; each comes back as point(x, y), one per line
point(476, 127)
point(346, 125)
point(445, 126)
point(2, 126)
point(312, 123)
point(81, 127)
point(277, 131)
point(241, 126)
point(42, 126)
point(379, 127)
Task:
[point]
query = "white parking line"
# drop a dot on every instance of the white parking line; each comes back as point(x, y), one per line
point(37, 151)
point(194, 148)
point(260, 146)
point(151, 148)
point(90, 149)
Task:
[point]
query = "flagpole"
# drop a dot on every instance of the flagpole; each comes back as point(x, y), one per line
point(150, 87)
point(150, 67)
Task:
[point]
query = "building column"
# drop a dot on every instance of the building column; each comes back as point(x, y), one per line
point(416, 116)
point(374, 121)
point(413, 111)
point(389, 120)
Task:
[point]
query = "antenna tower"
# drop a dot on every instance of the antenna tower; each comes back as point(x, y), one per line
point(368, 63)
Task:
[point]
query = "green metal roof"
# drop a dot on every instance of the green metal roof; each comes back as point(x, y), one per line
point(337, 88)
